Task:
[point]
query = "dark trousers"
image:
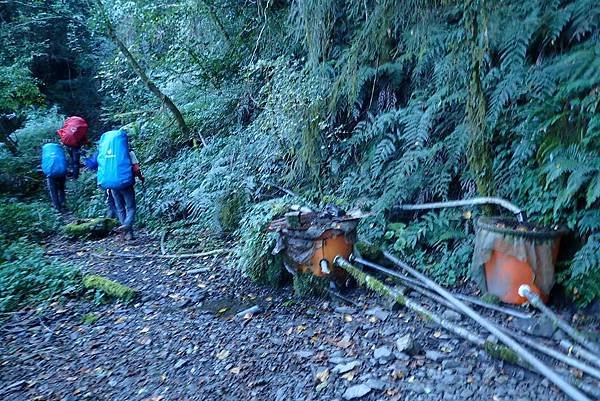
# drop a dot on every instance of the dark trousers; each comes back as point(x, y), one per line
point(56, 187)
point(125, 206)
point(74, 156)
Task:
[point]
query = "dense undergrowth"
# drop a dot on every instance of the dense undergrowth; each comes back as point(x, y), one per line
point(371, 103)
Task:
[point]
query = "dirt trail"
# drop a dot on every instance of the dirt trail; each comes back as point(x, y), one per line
point(182, 341)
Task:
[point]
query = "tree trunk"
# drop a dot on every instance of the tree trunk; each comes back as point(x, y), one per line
point(137, 68)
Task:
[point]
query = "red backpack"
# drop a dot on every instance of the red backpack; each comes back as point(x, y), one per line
point(74, 132)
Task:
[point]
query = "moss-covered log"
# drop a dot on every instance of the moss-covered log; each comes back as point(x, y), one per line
point(110, 288)
point(90, 228)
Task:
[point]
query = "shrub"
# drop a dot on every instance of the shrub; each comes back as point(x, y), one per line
point(256, 243)
point(26, 276)
point(33, 221)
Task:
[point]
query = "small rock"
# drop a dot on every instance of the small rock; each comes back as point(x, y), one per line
point(541, 327)
point(345, 310)
point(489, 374)
point(303, 354)
point(378, 313)
point(343, 368)
point(545, 383)
point(405, 343)
point(451, 315)
point(382, 353)
point(357, 391)
point(450, 364)
point(434, 355)
point(376, 384)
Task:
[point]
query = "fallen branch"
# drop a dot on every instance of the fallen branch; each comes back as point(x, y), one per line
point(163, 238)
point(146, 256)
point(489, 326)
point(535, 300)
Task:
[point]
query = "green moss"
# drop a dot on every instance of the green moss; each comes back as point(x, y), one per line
point(90, 228)
point(501, 352)
point(490, 299)
point(306, 284)
point(369, 281)
point(368, 251)
point(110, 288)
point(90, 318)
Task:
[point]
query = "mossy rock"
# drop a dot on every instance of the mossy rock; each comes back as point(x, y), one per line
point(109, 288)
point(90, 228)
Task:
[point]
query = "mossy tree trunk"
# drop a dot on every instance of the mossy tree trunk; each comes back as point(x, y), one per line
point(137, 68)
point(480, 148)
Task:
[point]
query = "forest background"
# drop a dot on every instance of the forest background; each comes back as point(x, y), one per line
point(365, 104)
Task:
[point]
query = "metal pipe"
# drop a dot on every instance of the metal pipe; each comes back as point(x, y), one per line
point(491, 327)
point(518, 212)
point(579, 352)
point(412, 283)
point(590, 370)
point(534, 299)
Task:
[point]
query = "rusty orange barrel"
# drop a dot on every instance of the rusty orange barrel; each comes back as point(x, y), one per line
point(330, 244)
point(512, 254)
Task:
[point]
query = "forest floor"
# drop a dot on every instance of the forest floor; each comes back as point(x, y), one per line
point(181, 340)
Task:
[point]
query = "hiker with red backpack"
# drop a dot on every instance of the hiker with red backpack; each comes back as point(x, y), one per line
point(117, 169)
point(73, 135)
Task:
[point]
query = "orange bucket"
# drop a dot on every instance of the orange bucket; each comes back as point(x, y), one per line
point(330, 244)
point(517, 255)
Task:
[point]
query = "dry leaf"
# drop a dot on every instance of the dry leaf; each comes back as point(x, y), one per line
point(120, 320)
point(145, 330)
point(300, 328)
point(446, 349)
point(322, 376)
point(223, 354)
point(437, 334)
point(349, 375)
point(321, 386)
point(373, 319)
point(347, 318)
point(235, 370)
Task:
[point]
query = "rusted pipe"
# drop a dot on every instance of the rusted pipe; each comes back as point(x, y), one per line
point(493, 329)
point(518, 212)
point(535, 300)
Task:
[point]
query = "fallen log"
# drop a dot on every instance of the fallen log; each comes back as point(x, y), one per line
point(535, 300)
point(514, 346)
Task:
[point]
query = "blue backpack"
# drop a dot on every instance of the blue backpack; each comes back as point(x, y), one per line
point(114, 163)
point(54, 162)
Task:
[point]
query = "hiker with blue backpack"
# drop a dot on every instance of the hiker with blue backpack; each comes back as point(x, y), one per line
point(54, 166)
point(117, 169)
